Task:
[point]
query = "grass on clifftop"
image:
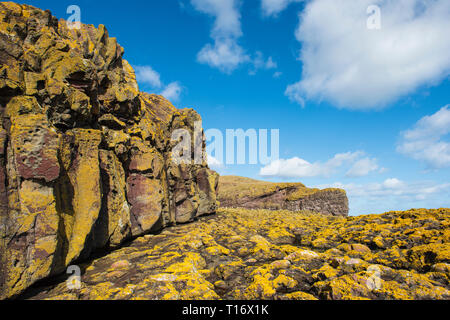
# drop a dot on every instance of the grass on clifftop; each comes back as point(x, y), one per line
point(234, 187)
point(262, 254)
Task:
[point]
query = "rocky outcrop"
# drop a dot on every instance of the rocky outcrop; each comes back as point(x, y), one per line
point(242, 254)
point(85, 157)
point(239, 192)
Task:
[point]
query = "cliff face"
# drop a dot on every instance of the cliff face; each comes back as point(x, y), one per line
point(242, 254)
point(238, 192)
point(85, 157)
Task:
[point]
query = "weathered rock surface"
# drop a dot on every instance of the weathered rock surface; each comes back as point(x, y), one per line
point(85, 157)
point(262, 254)
point(239, 192)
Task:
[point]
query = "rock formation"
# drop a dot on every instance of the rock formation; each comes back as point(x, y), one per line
point(238, 192)
point(85, 156)
point(242, 254)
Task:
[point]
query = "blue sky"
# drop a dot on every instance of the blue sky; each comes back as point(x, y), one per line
point(358, 108)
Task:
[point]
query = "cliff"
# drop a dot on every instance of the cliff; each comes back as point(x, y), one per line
point(239, 192)
point(85, 157)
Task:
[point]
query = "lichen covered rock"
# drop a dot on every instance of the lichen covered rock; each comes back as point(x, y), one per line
point(238, 254)
point(239, 192)
point(85, 157)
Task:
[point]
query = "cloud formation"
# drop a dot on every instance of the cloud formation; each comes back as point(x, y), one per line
point(260, 63)
point(363, 167)
point(148, 76)
point(274, 7)
point(172, 91)
point(300, 168)
point(277, 74)
point(354, 67)
point(226, 54)
point(214, 162)
point(426, 141)
point(393, 194)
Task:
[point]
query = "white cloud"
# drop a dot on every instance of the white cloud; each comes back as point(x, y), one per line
point(290, 168)
point(300, 168)
point(277, 74)
point(146, 74)
point(425, 142)
point(393, 183)
point(226, 13)
point(270, 64)
point(394, 194)
point(226, 54)
point(363, 167)
point(353, 67)
point(295, 94)
point(214, 162)
point(260, 63)
point(274, 7)
point(172, 91)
